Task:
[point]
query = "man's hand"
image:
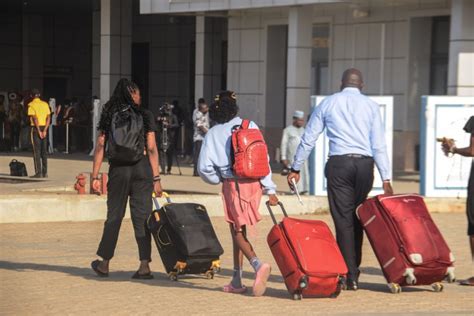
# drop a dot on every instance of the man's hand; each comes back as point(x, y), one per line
point(157, 188)
point(96, 186)
point(387, 188)
point(272, 200)
point(291, 176)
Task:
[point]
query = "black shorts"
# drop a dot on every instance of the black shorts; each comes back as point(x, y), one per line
point(470, 203)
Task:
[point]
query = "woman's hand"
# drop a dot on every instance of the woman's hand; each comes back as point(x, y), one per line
point(448, 145)
point(272, 200)
point(157, 188)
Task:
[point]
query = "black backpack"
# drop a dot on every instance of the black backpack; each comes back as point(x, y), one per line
point(126, 138)
point(18, 169)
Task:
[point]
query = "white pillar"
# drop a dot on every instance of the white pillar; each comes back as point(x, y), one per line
point(200, 55)
point(461, 49)
point(115, 44)
point(299, 60)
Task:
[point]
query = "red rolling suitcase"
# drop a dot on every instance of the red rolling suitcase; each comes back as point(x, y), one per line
point(406, 241)
point(308, 257)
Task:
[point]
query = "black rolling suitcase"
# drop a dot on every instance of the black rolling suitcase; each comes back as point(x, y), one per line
point(185, 238)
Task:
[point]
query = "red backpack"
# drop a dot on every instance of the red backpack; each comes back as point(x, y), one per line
point(250, 154)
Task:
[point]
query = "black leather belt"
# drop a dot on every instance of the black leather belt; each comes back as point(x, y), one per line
point(358, 156)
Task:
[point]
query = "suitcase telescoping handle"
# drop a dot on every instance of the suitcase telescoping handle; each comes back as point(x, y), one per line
point(155, 200)
point(271, 213)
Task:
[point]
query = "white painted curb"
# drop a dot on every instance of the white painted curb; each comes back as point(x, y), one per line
point(61, 207)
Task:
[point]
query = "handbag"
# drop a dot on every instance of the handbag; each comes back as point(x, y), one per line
point(18, 169)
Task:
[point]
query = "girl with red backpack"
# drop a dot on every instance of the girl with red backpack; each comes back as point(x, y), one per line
point(234, 153)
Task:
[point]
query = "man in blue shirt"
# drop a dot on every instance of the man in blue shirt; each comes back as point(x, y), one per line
point(356, 140)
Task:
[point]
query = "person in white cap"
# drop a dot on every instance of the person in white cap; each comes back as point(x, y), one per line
point(289, 143)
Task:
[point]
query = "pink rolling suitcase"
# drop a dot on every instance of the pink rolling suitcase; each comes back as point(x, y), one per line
point(406, 241)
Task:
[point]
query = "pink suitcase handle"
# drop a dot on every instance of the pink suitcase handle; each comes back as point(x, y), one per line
point(271, 213)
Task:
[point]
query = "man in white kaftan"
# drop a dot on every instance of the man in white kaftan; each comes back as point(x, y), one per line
point(289, 143)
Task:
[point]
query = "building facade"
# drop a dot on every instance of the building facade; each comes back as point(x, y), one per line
point(274, 53)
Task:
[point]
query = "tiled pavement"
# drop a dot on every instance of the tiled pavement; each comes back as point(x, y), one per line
point(44, 269)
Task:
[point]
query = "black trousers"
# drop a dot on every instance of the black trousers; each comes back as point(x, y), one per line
point(349, 181)
point(134, 182)
point(15, 134)
point(166, 159)
point(40, 148)
point(470, 203)
point(196, 151)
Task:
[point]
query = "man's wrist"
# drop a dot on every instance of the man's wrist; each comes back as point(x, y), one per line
point(294, 170)
point(453, 150)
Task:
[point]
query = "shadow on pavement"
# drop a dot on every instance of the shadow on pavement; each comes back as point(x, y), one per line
point(371, 271)
point(161, 279)
point(250, 275)
point(383, 288)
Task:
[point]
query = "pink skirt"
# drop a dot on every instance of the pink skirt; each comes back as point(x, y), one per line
point(241, 206)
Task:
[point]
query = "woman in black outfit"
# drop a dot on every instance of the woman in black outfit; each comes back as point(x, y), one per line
point(449, 146)
point(136, 181)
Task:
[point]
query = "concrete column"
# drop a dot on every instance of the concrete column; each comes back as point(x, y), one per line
point(96, 48)
point(461, 49)
point(32, 52)
point(200, 55)
point(298, 60)
point(115, 44)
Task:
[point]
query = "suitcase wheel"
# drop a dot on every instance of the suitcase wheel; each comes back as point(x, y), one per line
point(210, 274)
point(395, 288)
point(297, 296)
point(303, 282)
point(409, 275)
point(173, 276)
point(216, 266)
point(437, 287)
point(450, 276)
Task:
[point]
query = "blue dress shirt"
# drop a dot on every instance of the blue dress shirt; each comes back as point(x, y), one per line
point(354, 126)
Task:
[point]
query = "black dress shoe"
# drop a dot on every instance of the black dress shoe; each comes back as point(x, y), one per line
point(352, 285)
point(36, 176)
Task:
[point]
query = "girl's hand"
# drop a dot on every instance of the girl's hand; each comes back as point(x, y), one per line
point(96, 186)
point(273, 200)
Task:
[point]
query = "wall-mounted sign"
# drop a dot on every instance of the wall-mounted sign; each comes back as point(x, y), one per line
point(57, 70)
point(444, 116)
point(320, 42)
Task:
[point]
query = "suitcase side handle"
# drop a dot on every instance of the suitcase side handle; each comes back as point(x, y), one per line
point(271, 212)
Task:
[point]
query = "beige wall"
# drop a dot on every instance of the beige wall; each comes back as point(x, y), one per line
point(354, 42)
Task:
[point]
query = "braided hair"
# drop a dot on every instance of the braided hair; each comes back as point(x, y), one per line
point(120, 97)
point(224, 108)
